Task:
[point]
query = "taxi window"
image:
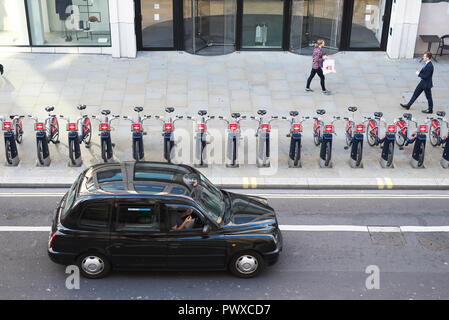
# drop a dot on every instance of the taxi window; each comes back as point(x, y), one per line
point(95, 216)
point(137, 218)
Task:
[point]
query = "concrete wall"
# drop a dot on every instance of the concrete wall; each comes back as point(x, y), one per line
point(403, 29)
point(434, 19)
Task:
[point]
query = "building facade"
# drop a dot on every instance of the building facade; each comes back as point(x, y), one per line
point(213, 27)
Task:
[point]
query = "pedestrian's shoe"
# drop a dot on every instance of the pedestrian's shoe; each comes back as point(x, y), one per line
point(327, 92)
point(308, 90)
point(405, 106)
point(427, 111)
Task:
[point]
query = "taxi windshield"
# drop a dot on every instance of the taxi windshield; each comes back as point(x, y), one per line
point(210, 198)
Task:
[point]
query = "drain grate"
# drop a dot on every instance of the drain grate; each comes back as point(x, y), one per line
point(386, 236)
point(434, 241)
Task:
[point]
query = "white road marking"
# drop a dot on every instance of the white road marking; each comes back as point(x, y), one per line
point(24, 195)
point(304, 228)
point(351, 196)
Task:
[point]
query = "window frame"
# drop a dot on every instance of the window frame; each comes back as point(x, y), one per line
point(83, 208)
point(135, 202)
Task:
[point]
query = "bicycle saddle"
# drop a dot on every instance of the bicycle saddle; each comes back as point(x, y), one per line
point(262, 112)
point(407, 116)
point(235, 115)
point(441, 113)
point(49, 109)
point(294, 113)
point(202, 112)
point(321, 112)
point(81, 107)
point(138, 109)
point(169, 109)
point(106, 112)
point(352, 109)
point(378, 114)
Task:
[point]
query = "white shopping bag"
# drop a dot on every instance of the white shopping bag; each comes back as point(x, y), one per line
point(329, 66)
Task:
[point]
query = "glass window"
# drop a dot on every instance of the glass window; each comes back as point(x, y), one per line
point(113, 187)
point(137, 218)
point(110, 176)
point(13, 26)
point(183, 218)
point(157, 23)
point(367, 23)
point(149, 187)
point(69, 22)
point(262, 23)
point(95, 215)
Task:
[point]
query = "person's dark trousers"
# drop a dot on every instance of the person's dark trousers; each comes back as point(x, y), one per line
point(320, 73)
point(428, 92)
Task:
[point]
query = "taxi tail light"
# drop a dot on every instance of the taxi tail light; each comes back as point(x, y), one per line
point(168, 127)
point(360, 128)
point(329, 128)
point(39, 126)
point(136, 127)
point(50, 242)
point(423, 128)
point(104, 126)
point(7, 125)
point(265, 127)
point(72, 127)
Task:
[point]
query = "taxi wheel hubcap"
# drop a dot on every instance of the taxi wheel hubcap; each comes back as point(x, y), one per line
point(92, 265)
point(247, 264)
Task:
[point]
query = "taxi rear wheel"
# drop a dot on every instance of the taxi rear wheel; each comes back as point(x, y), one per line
point(246, 264)
point(93, 265)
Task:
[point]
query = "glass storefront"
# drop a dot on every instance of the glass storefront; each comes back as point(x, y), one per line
point(367, 23)
point(262, 26)
point(157, 24)
point(55, 23)
point(69, 22)
point(13, 25)
point(209, 26)
point(313, 20)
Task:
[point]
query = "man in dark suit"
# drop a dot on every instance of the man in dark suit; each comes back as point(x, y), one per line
point(425, 84)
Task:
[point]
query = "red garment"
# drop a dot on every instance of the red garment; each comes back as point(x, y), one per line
point(317, 58)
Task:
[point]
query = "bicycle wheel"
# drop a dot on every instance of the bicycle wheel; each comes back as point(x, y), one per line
point(297, 154)
point(87, 131)
point(234, 150)
point(434, 136)
point(390, 154)
point(358, 159)
point(422, 150)
point(104, 150)
point(328, 154)
point(167, 150)
point(18, 130)
point(136, 150)
point(400, 139)
point(8, 152)
point(372, 135)
point(40, 152)
point(72, 151)
point(316, 135)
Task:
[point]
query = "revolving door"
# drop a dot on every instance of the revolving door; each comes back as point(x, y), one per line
point(209, 26)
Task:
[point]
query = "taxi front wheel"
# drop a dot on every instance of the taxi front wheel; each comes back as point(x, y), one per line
point(93, 265)
point(246, 264)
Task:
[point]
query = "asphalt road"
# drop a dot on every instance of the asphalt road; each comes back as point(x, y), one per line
point(326, 262)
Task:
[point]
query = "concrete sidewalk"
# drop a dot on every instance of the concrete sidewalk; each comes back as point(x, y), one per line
point(239, 82)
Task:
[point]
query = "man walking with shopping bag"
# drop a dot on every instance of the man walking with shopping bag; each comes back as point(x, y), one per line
point(425, 84)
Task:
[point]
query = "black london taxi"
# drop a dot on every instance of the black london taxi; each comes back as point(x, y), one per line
point(149, 215)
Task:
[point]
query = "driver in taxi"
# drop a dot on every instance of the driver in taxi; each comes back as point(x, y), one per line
point(178, 221)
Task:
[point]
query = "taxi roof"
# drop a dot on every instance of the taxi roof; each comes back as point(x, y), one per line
point(136, 178)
